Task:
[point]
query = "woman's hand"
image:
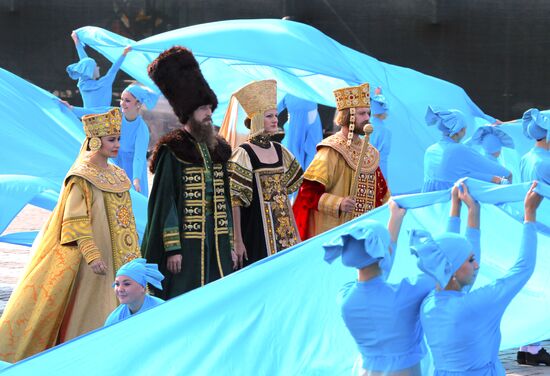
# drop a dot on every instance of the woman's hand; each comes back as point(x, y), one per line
point(69, 106)
point(465, 197)
point(396, 211)
point(126, 50)
point(137, 187)
point(240, 253)
point(173, 263)
point(75, 37)
point(98, 267)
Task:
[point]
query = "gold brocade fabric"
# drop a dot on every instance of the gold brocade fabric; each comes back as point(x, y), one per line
point(110, 179)
point(58, 296)
point(334, 166)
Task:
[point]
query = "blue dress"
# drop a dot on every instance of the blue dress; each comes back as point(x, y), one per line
point(132, 155)
point(97, 93)
point(447, 161)
point(384, 320)
point(122, 312)
point(381, 140)
point(463, 328)
point(535, 165)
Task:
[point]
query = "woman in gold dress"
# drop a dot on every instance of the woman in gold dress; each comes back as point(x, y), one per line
point(65, 290)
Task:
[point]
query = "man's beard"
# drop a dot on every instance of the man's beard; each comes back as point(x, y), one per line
point(358, 128)
point(202, 131)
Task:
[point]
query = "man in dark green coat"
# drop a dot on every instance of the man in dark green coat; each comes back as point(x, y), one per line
point(189, 227)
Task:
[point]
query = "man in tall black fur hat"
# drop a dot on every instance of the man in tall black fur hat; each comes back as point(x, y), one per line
point(189, 216)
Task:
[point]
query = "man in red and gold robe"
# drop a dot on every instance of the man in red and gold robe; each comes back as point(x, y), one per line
point(324, 200)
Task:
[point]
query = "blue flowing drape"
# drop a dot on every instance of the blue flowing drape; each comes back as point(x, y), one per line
point(280, 317)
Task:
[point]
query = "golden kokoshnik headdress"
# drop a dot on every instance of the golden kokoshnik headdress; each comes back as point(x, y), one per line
point(256, 98)
point(352, 97)
point(101, 125)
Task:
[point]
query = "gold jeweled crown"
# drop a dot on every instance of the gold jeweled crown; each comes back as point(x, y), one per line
point(354, 96)
point(100, 125)
point(258, 97)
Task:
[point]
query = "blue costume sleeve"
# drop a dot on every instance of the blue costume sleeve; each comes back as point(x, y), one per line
point(140, 151)
point(111, 73)
point(80, 50)
point(470, 163)
point(495, 297)
point(474, 236)
point(453, 224)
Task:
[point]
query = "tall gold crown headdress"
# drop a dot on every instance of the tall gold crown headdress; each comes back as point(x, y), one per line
point(352, 97)
point(256, 98)
point(100, 125)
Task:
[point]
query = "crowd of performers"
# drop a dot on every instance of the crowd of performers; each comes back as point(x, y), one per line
point(213, 210)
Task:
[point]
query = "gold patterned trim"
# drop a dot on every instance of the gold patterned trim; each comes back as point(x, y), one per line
point(89, 250)
point(240, 183)
point(110, 179)
point(352, 152)
point(74, 229)
point(171, 238)
point(330, 204)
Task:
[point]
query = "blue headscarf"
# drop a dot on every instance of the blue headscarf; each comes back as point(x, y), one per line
point(449, 122)
point(142, 273)
point(379, 104)
point(83, 69)
point(491, 138)
point(439, 257)
point(144, 95)
point(536, 124)
point(366, 242)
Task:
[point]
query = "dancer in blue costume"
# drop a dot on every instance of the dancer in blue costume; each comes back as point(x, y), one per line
point(383, 318)
point(491, 139)
point(381, 136)
point(463, 328)
point(95, 91)
point(448, 160)
point(131, 289)
point(303, 130)
point(134, 137)
point(535, 165)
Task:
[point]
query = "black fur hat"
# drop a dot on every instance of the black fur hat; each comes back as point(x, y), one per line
point(179, 77)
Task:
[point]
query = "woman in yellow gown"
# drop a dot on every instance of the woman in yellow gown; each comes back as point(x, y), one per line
point(65, 290)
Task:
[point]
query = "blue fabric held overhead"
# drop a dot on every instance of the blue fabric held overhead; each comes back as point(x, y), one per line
point(40, 139)
point(286, 306)
point(306, 64)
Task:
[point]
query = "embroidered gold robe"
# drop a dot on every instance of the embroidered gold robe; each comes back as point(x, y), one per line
point(59, 297)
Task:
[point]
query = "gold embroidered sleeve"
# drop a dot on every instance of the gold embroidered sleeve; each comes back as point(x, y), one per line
point(89, 250)
point(322, 167)
point(239, 168)
point(76, 220)
point(293, 171)
point(330, 204)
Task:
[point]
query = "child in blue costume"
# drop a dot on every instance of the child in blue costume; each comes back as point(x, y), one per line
point(491, 139)
point(382, 317)
point(448, 160)
point(134, 136)
point(95, 91)
point(535, 165)
point(463, 328)
point(131, 289)
point(381, 136)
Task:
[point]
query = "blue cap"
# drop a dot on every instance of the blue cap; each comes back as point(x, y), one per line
point(536, 124)
point(364, 244)
point(83, 69)
point(491, 138)
point(379, 104)
point(449, 122)
point(142, 273)
point(144, 95)
point(439, 257)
